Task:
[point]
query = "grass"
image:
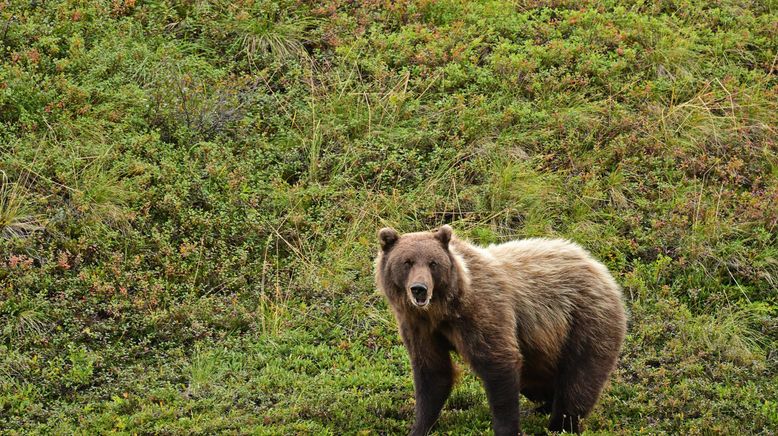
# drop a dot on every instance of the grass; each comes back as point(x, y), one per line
point(16, 218)
point(190, 194)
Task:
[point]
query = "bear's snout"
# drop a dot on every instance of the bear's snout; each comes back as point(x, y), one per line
point(419, 292)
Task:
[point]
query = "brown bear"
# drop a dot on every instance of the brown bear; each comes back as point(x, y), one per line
point(538, 317)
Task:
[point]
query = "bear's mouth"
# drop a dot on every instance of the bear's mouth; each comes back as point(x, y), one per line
point(420, 294)
point(420, 301)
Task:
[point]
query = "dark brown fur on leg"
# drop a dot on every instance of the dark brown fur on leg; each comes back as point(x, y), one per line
point(561, 422)
point(502, 390)
point(433, 377)
point(539, 395)
point(497, 362)
point(583, 371)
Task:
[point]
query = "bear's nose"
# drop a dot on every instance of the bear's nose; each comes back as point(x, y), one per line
point(419, 291)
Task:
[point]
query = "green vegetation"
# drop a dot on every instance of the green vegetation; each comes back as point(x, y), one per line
point(191, 189)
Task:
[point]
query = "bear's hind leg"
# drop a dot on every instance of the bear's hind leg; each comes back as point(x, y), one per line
point(501, 383)
point(498, 365)
point(540, 395)
point(582, 372)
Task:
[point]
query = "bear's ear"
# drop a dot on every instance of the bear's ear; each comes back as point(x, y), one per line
point(387, 237)
point(444, 235)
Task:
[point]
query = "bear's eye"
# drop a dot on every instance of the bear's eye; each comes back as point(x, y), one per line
point(408, 262)
point(433, 264)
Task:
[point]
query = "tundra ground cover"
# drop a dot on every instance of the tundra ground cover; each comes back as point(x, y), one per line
point(190, 194)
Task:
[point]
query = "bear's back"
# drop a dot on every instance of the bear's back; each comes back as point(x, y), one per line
point(539, 250)
point(555, 265)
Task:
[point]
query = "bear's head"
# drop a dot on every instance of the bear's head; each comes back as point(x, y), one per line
point(417, 269)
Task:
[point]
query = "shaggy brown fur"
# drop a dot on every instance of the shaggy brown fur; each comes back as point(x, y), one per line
point(536, 316)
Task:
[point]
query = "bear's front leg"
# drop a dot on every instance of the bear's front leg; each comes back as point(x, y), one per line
point(503, 395)
point(433, 377)
point(498, 366)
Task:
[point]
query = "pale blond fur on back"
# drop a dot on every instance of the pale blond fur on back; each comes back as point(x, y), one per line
point(547, 280)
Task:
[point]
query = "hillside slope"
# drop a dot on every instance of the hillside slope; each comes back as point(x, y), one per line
point(191, 189)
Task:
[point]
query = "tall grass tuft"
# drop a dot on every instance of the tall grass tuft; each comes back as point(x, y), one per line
point(16, 217)
point(272, 33)
point(24, 323)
